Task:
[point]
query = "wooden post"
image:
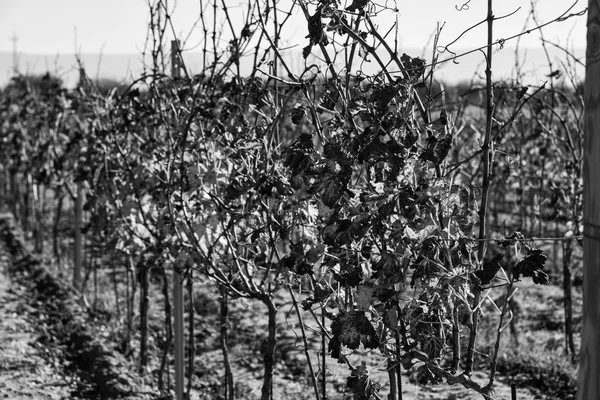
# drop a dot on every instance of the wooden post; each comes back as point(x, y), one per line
point(78, 238)
point(38, 205)
point(15, 194)
point(177, 279)
point(2, 186)
point(589, 364)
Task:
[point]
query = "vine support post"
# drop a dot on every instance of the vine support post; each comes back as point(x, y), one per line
point(486, 154)
point(398, 363)
point(393, 380)
point(269, 349)
point(55, 229)
point(13, 197)
point(223, 338)
point(26, 203)
point(169, 333)
point(3, 196)
point(568, 301)
point(78, 237)
point(144, 302)
point(191, 338)
point(178, 331)
point(178, 327)
point(39, 192)
point(324, 355)
point(589, 364)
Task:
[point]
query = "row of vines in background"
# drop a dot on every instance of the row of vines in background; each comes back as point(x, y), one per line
point(381, 207)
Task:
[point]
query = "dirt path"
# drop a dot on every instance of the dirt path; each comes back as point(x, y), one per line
point(27, 368)
point(49, 349)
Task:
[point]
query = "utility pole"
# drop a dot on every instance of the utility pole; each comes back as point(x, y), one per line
point(14, 38)
point(588, 386)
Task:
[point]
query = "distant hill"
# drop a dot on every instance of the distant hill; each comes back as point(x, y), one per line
point(124, 66)
point(114, 66)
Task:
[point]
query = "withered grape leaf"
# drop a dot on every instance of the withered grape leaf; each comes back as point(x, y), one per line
point(306, 51)
point(383, 294)
point(351, 329)
point(316, 33)
point(360, 225)
point(321, 293)
point(297, 114)
point(350, 274)
point(521, 92)
point(329, 233)
point(303, 267)
point(361, 385)
point(384, 95)
point(489, 270)
point(298, 155)
point(437, 149)
point(314, 254)
point(444, 117)
point(332, 191)
point(364, 294)
point(388, 270)
point(357, 5)
point(414, 66)
point(531, 266)
point(426, 377)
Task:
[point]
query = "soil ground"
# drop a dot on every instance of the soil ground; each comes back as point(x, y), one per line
point(28, 369)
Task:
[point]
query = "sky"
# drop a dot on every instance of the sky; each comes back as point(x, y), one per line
point(55, 27)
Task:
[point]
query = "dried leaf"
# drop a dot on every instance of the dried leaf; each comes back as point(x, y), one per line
point(415, 67)
point(351, 329)
point(361, 385)
point(350, 274)
point(531, 266)
point(357, 5)
point(489, 270)
point(306, 51)
point(332, 192)
point(298, 113)
point(364, 295)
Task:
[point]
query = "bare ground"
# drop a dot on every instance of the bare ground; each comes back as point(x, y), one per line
point(28, 369)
